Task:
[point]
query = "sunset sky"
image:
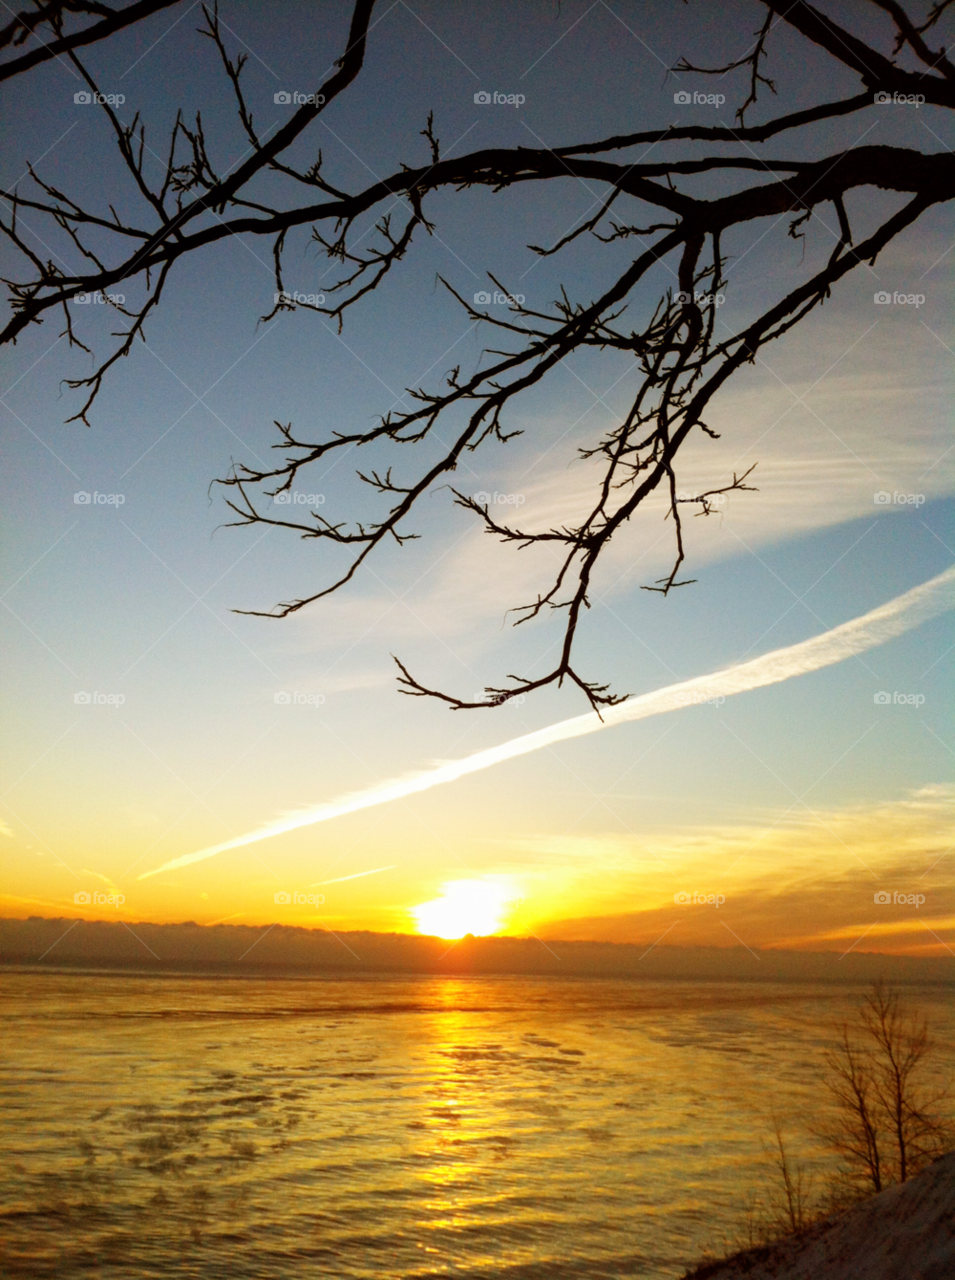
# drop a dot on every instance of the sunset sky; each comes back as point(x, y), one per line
point(795, 804)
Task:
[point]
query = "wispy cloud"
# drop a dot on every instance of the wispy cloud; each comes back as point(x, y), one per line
point(817, 877)
point(107, 880)
point(866, 632)
point(357, 876)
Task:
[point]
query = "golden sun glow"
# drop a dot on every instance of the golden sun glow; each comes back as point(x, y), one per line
point(465, 906)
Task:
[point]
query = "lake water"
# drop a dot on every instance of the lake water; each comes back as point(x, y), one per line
point(396, 1127)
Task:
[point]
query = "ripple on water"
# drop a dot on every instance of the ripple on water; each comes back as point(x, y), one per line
point(390, 1127)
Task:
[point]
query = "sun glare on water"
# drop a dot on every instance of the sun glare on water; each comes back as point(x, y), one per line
point(465, 906)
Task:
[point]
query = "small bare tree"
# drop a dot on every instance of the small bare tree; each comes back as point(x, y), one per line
point(792, 1212)
point(888, 1123)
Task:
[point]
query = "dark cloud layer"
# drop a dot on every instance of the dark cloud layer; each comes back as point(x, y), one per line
point(240, 950)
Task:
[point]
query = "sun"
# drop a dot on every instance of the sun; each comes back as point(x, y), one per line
point(465, 906)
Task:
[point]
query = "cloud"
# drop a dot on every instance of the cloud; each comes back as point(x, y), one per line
point(107, 880)
point(359, 875)
point(804, 884)
point(863, 633)
point(820, 463)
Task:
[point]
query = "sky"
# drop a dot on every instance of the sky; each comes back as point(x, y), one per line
point(778, 817)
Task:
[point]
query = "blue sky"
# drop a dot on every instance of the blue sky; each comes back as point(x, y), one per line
point(136, 599)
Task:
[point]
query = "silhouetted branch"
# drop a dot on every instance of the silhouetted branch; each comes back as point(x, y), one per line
point(28, 23)
point(684, 358)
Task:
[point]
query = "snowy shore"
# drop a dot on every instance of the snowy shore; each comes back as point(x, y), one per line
point(905, 1233)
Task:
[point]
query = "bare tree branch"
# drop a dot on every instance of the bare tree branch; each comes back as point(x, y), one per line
point(26, 24)
point(684, 359)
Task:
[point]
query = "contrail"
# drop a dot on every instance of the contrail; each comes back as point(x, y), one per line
point(359, 875)
point(885, 623)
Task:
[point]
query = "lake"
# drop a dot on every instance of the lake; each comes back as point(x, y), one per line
point(397, 1127)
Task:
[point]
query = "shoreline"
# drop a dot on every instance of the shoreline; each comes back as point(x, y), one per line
point(903, 1233)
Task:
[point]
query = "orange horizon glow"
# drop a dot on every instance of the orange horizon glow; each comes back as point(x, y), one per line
point(838, 879)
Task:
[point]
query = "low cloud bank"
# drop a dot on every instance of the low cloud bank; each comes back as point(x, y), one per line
point(238, 950)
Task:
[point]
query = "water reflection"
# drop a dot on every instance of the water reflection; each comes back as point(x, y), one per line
point(399, 1127)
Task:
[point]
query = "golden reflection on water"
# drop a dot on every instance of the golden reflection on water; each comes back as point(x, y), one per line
point(456, 1108)
point(392, 1127)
